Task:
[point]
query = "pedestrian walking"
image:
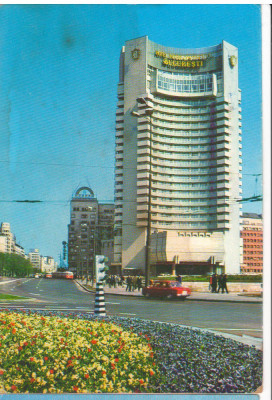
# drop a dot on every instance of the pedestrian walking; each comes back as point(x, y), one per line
point(214, 283)
point(134, 283)
point(224, 283)
point(220, 283)
point(179, 280)
point(139, 283)
point(129, 282)
point(210, 283)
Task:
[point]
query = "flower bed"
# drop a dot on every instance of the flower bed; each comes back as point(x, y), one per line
point(156, 358)
point(40, 354)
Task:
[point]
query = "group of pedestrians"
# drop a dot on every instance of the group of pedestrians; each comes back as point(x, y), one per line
point(133, 283)
point(115, 281)
point(130, 282)
point(218, 282)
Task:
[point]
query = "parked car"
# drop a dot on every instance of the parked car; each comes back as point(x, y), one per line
point(167, 289)
point(48, 275)
point(37, 275)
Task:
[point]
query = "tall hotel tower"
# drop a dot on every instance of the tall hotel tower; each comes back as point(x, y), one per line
point(178, 158)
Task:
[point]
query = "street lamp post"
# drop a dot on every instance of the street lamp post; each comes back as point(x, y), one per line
point(148, 111)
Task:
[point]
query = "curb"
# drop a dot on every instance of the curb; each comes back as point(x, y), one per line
point(188, 299)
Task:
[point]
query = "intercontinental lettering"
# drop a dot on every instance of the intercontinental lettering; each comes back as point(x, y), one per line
point(162, 54)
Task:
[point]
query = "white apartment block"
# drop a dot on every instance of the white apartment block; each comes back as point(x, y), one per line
point(48, 264)
point(35, 258)
point(10, 239)
point(179, 119)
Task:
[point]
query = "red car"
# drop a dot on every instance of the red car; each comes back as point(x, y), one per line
point(168, 289)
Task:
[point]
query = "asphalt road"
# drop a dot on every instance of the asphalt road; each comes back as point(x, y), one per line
point(64, 295)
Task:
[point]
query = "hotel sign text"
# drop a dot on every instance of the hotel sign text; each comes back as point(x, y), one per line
point(182, 61)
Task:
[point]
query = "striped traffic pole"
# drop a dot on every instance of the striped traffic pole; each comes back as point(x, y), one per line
point(99, 305)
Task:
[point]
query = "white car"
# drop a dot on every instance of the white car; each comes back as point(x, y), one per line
point(37, 276)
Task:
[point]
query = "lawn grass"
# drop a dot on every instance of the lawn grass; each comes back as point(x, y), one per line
point(4, 296)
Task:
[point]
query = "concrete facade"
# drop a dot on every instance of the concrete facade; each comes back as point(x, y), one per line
point(178, 119)
point(48, 264)
point(90, 223)
point(252, 237)
point(35, 258)
point(8, 241)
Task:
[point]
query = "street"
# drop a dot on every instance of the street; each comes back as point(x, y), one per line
point(62, 295)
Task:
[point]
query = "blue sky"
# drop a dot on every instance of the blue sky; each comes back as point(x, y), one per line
point(58, 91)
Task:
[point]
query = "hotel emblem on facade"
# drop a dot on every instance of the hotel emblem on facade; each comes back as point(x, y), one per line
point(233, 61)
point(135, 54)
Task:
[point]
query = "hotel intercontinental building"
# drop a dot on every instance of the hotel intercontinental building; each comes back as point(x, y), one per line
point(178, 159)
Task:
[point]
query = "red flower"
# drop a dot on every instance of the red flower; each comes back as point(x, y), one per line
point(13, 331)
point(32, 380)
point(153, 363)
point(151, 354)
point(25, 343)
point(73, 357)
point(13, 387)
point(94, 341)
point(18, 369)
point(104, 372)
point(1, 372)
point(31, 359)
point(89, 350)
point(45, 358)
point(141, 381)
point(116, 359)
point(51, 371)
point(75, 388)
point(112, 366)
point(86, 376)
point(151, 373)
point(20, 348)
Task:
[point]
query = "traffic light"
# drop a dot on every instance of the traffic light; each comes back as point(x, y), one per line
point(101, 268)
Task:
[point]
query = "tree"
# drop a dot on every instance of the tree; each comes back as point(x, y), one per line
point(14, 265)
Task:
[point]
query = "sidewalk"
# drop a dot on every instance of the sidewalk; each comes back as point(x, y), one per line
point(199, 296)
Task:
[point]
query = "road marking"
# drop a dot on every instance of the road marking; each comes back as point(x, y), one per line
point(36, 294)
point(125, 313)
point(106, 302)
point(238, 329)
point(4, 282)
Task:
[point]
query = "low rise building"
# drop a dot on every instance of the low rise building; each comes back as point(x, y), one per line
point(252, 236)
